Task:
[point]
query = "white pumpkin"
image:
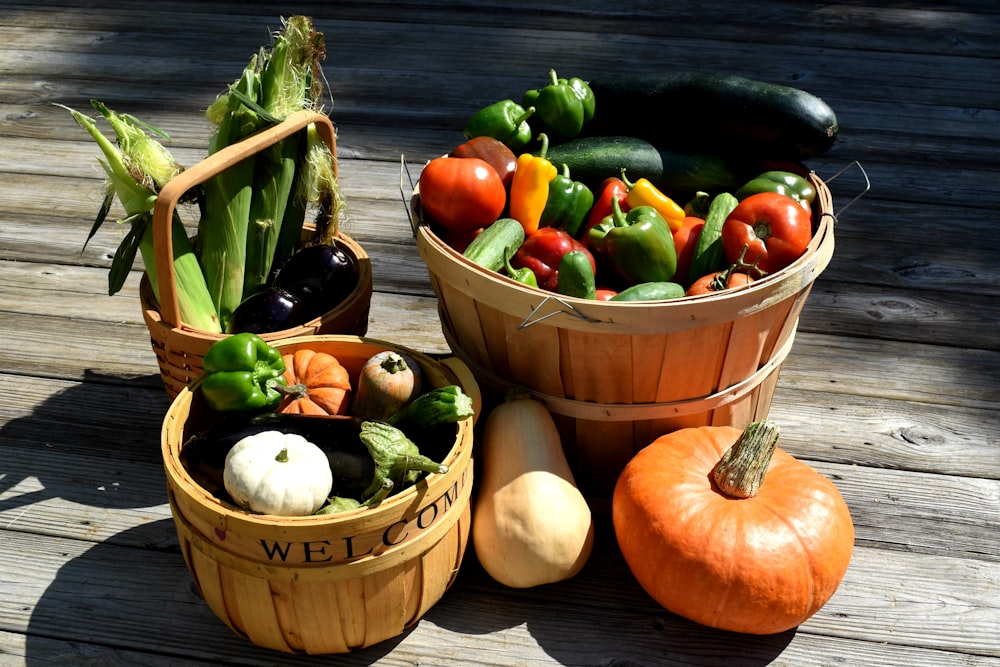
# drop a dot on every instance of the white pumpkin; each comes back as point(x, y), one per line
point(278, 473)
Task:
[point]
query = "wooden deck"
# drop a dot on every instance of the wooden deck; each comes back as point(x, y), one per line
point(891, 388)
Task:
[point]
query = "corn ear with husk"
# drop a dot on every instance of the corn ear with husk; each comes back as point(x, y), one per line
point(222, 228)
point(273, 85)
point(136, 168)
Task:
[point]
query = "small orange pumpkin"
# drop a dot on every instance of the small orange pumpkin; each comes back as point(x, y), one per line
point(740, 537)
point(324, 383)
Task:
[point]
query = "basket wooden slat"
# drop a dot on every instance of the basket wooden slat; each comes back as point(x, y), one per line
point(179, 347)
point(616, 375)
point(337, 582)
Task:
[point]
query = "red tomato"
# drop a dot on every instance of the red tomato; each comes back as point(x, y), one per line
point(605, 294)
point(461, 194)
point(492, 151)
point(774, 228)
point(459, 241)
point(711, 283)
point(685, 241)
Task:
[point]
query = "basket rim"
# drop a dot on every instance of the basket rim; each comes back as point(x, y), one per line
point(590, 314)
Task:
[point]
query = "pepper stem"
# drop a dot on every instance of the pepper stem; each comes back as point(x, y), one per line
point(741, 470)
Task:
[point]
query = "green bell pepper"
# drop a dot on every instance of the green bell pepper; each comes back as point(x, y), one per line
point(576, 276)
point(506, 121)
point(563, 107)
point(639, 245)
point(568, 204)
point(782, 182)
point(242, 374)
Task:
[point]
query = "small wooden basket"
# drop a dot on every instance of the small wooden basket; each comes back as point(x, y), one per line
point(616, 375)
point(326, 584)
point(179, 347)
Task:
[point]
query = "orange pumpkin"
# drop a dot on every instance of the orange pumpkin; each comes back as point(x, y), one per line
point(740, 537)
point(324, 384)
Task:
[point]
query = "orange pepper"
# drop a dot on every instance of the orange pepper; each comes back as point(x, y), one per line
point(529, 189)
point(644, 193)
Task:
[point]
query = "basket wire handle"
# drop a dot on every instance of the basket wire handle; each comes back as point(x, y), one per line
point(166, 202)
point(567, 308)
point(868, 186)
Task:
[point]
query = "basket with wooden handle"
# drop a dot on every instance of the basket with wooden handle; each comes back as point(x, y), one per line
point(180, 347)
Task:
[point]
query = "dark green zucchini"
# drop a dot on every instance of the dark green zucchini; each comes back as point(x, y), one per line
point(678, 174)
point(716, 113)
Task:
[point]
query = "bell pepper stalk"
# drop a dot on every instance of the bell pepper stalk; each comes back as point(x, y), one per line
point(782, 182)
point(242, 373)
point(491, 151)
point(563, 106)
point(542, 251)
point(568, 203)
point(524, 275)
point(506, 121)
point(529, 189)
point(644, 193)
point(775, 229)
point(639, 245)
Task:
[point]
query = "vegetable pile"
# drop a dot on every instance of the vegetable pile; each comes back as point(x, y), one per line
point(295, 434)
point(248, 268)
point(637, 189)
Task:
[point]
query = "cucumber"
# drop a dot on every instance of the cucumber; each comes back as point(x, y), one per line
point(576, 276)
point(717, 113)
point(677, 173)
point(501, 239)
point(709, 254)
point(653, 291)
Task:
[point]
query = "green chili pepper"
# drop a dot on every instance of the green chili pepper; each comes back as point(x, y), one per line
point(524, 275)
point(568, 204)
point(242, 373)
point(563, 107)
point(782, 182)
point(576, 275)
point(506, 121)
point(639, 245)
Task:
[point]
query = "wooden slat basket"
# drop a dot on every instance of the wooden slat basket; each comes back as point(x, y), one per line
point(616, 375)
point(179, 347)
point(333, 583)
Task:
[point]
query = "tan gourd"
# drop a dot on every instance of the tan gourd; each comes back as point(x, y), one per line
point(531, 525)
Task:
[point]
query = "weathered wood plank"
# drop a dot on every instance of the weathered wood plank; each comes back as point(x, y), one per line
point(82, 599)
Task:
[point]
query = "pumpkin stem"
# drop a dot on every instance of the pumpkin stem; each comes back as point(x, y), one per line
point(282, 456)
point(394, 363)
point(741, 470)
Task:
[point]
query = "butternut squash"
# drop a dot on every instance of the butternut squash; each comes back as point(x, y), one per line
point(531, 525)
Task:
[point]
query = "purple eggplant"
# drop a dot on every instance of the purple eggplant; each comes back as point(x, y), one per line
point(270, 309)
point(320, 276)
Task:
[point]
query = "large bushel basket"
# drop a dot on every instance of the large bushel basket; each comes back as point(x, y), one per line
point(179, 347)
point(616, 375)
point(325, 583)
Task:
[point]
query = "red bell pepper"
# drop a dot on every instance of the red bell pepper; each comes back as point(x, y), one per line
point(774, 228)
point(685, 242)
point(543, 250)
point(610, 190)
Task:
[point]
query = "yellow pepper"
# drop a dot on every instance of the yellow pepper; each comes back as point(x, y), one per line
point(529, 189)
point(644, 193)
